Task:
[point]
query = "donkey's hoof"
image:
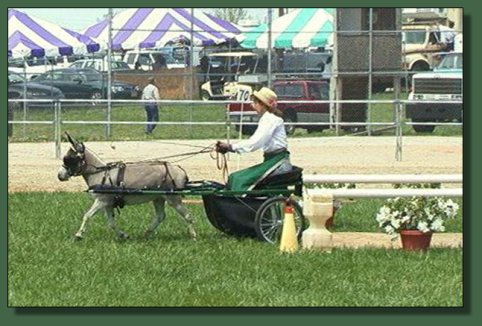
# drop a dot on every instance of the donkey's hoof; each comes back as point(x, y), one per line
point(148, 234)
point(78, 237)
point(123, 236)
point(192, 235)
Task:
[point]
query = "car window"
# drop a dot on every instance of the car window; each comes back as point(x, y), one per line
point(451, 62)
point(90, 64)
point(76, 65)
point(131, 58)
point(55, 75)
point(314, 91)
point(119, 65)
point(289, 90)
point(144, 59)
point(15, 79)
point(325, 91)
point(416, 36)
point(90, 76)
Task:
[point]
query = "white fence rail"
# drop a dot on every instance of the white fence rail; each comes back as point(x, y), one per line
point(57, 120)
point(385, 193)
point(382, 178)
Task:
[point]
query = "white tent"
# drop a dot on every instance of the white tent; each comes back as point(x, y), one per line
point(29, 36)
point(155, 27)
point(301, 28)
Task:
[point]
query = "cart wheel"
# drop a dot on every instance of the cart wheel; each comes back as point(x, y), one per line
point(269, 219)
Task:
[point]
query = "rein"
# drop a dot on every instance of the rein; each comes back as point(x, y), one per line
point(221, 162)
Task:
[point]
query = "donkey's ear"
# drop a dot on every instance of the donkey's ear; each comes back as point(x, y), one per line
point(70, 139)
point(80, 148)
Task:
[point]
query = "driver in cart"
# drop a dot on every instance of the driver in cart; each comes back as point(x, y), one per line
point(270, 136)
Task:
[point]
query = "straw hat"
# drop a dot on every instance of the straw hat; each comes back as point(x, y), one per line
point(267, 96)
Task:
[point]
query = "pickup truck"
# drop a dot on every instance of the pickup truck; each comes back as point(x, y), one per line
point(444, 84)
point(288, 90)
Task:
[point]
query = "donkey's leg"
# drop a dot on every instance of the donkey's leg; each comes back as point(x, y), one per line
point(96, 206)
point(109, 214)
point(159, 215)
point(176, 203)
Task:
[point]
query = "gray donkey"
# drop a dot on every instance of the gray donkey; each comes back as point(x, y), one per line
point(80, 161)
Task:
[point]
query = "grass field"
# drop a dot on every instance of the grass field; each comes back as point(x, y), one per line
point(183, 114)
point(47, 268)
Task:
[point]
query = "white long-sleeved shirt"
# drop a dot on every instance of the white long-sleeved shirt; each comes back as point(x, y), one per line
point(270, 136)
point(150, 92)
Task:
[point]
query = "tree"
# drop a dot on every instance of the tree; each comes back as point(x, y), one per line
point(233, 15)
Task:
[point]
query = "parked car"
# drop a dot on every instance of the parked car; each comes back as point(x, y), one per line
point(19, 88)
point(144, 59)
point(100, 65)
point(87, 84)
point(445, 83)
point(290, 90)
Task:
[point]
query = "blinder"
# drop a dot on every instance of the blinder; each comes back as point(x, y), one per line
point(74, 161)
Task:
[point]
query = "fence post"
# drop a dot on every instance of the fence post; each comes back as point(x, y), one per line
point(398, 122)
point(57, 107)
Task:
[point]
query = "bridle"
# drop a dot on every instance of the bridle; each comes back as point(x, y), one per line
point(75, 165)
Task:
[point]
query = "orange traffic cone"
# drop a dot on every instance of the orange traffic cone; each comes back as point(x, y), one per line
point(289, 241)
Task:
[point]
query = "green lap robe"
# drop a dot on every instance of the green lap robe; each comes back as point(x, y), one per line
point(248, 178)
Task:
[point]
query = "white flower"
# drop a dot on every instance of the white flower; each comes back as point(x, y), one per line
point(389, 229)
point(438, 226)
point(423, 213)
point(423, 226)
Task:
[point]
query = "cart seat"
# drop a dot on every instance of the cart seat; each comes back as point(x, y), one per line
point(283, 180)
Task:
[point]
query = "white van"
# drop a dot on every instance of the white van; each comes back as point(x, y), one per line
point(99, 64)
point(144, 59)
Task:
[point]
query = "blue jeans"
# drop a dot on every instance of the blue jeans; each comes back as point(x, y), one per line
point(152, 112)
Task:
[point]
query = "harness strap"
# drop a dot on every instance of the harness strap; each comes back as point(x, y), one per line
point(120, 174)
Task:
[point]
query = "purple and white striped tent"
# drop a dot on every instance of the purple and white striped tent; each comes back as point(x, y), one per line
point(155, 27)
point(29, 36)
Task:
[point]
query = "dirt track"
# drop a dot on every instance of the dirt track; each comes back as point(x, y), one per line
point(33, 167)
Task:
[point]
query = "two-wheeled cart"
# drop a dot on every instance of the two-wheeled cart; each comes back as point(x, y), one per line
point(256, 213)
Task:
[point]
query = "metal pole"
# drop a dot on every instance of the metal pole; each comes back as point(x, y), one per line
point(191, 60)
point(57, 107)
point(270, 19)
point(370, 70)
point(109, 76)
point(398, 122)
point(25, 96)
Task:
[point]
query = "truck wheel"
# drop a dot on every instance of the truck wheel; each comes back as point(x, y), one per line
point(315, 129)
point(289, 118)
point(424, 128)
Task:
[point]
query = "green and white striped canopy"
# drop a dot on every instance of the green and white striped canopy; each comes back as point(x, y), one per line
point(302, 28)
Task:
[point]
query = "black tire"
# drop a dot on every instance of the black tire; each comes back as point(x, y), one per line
point(289, 118)
point(423, 129)
point(315, 129)
point(420, 66)
point(205, 96)
point(95, 97)
point(268, 222)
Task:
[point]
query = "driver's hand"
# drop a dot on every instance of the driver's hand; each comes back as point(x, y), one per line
point(223, 148)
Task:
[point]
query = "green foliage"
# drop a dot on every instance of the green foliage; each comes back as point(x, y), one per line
point(47, 268)
point(426, 214)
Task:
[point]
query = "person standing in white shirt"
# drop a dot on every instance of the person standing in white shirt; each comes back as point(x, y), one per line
point(270, 136)
point(447, 36)
point(151, 93)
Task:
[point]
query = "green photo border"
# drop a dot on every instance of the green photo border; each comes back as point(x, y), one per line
point(187, 316)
